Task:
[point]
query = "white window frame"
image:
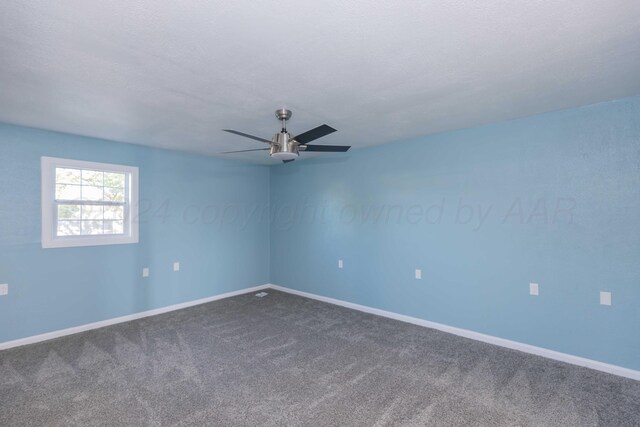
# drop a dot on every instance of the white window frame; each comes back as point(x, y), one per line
point(49, 206)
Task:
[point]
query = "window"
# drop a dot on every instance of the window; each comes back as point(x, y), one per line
point(88, 204)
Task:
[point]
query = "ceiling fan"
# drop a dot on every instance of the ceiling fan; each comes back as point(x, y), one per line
point(285, 147)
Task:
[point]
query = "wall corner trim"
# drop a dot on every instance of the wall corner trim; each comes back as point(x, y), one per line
point(502, 342)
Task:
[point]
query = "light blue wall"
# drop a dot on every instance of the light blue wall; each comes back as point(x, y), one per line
point(384, 210)
point(205, 213)
point(580, 168)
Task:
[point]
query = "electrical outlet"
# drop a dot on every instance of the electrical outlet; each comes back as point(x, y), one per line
point(176, 266)
point(4, 289)
point(533, 289)
point(605, 298)
point(418, 273)
point(145, 272)
point(340, 263)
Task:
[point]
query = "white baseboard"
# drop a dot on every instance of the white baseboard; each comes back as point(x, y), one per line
point(95, 325)
point(514, 345)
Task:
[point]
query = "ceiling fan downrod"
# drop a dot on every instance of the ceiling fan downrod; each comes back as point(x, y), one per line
point(283, 115)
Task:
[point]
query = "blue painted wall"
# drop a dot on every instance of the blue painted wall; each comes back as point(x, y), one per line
point(553, 199)
point(206, 213)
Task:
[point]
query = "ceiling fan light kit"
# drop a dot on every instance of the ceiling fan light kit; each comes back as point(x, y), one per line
point(287, 148)
point(283, 147)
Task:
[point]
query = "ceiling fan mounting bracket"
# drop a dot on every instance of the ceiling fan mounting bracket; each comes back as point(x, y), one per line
point(283, 114)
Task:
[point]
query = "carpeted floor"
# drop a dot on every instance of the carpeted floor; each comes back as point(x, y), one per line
point(287, 360)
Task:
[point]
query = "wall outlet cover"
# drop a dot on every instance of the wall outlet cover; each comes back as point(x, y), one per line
point(340, 264)
point(533, 289)
point(145, 272)
point(176, 266)
point(4, 289)
point(605, 298)
point(418, 273)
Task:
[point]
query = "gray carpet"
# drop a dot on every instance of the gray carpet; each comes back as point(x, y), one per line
point(287, 360)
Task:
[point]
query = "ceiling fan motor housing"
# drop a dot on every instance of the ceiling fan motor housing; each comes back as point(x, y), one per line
point(283, 147)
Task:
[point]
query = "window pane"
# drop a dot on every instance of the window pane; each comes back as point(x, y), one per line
point(93, 193)
point(114, 212)
point(92, 177)
point(68, 228)
point(114, 180)
point(91, 227)
point(88, 203)
point(68, 212)
point(91, 212)
point(114, 194)
point(67, 176)
point(113, 227)
point(67, 192)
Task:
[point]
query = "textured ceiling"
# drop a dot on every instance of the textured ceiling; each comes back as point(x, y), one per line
point(173, 73)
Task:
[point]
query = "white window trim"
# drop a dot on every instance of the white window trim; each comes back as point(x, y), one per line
point(49, 238)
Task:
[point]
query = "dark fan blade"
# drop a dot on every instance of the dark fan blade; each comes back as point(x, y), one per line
point(287, 161)
point(246, 135)
point(328, 148)
point(244, 151)
point(314, 134)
